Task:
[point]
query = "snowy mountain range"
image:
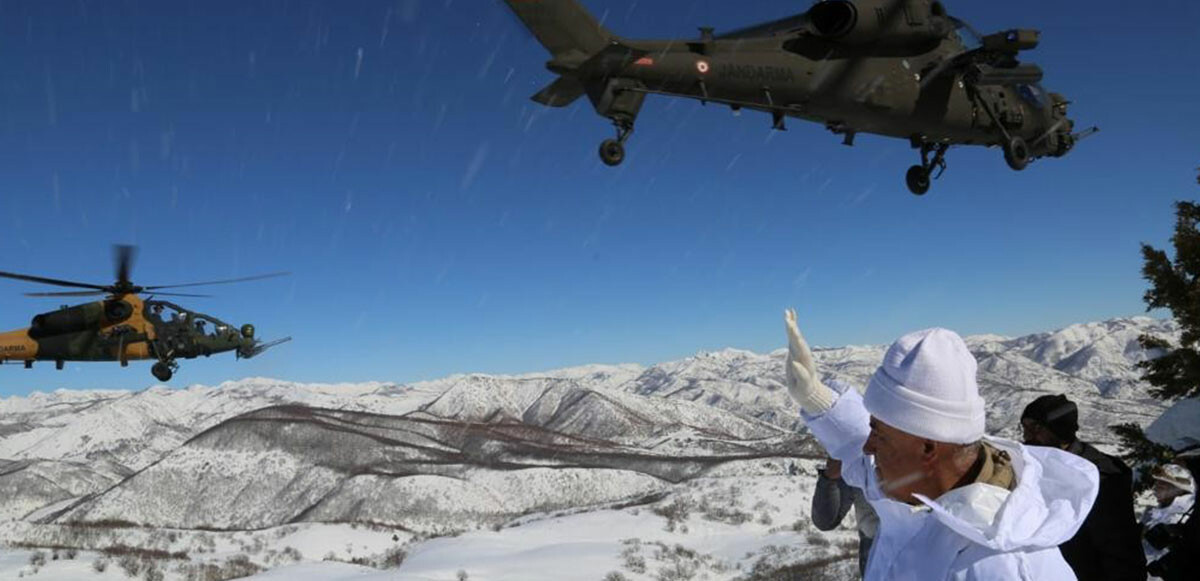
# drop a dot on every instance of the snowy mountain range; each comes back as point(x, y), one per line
point(485, 453)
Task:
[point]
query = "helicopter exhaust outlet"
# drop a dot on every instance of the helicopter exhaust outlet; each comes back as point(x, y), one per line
point(912, 24)
point(834, 19)
point(248, 331)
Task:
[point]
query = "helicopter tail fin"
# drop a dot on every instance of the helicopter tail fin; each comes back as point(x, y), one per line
point(560, 93)
point(564, 27)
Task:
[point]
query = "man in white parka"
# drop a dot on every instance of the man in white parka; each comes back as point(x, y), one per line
point(953, 503)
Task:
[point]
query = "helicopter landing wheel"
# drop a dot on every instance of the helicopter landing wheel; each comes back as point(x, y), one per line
point(920, 176)
point(918, 180)
point(1016, 153)
point(612, 153)
point(162, 371)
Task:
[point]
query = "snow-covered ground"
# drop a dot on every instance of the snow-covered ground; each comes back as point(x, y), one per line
point(691, 469)
point(18, 564)
point(713, 527)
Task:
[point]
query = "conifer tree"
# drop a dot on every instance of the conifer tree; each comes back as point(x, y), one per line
point(1175, 285)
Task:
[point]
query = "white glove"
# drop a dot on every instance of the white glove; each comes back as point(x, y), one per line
point(803, 382)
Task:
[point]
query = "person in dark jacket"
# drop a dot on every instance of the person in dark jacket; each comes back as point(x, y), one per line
point(1181, 542)
point(833, 498)
point(1108, 547)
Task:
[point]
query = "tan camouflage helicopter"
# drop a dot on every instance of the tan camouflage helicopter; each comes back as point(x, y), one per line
point(897, 68)
point(125, 327)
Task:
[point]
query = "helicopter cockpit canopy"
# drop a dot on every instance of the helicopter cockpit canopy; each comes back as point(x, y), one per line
point(967, 34)
point(172, 315)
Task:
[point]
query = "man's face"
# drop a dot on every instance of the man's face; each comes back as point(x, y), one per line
point(1035, 434)
point(899, 460)
point(1165, 493)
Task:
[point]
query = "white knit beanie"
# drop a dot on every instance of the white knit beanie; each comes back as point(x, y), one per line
point(1176, 476)
point(926, 387)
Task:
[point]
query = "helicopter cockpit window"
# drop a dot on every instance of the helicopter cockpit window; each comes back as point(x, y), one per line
point(210, 326)
point(165, 312)
point(205, 327)
point(967, 35)
point(1034, 95)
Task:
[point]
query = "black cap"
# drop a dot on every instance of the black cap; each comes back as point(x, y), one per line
point(1059, 414)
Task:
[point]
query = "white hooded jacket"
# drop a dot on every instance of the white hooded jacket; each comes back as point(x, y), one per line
point(974, 533)
point(1170, 514)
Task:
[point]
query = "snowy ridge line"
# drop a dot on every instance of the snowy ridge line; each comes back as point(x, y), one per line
point(323, 458)
point(705, 458)
point(78, 427)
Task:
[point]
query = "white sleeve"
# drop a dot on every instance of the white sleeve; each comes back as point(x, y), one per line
point(842, 431)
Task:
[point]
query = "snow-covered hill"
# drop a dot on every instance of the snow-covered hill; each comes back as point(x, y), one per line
point(670, 445)
point(419, 472)
point(133, 429)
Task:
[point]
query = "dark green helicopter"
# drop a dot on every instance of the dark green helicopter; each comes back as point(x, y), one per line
point(900, 68)
point(124, 327)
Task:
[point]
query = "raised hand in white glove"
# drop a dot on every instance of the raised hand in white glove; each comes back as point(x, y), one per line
point(803, 382)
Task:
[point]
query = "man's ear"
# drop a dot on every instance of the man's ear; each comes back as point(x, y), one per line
point(929, 451)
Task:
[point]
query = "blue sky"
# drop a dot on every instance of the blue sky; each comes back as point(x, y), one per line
point(436, 221)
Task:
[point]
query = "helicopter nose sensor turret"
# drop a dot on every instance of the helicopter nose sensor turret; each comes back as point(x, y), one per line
point(1062, 137)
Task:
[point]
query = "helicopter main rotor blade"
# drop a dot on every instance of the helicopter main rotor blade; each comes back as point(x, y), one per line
point(68, 294)
point(53, 281)
point(183, 295)
point(232, 280)
point(123, 256)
